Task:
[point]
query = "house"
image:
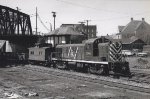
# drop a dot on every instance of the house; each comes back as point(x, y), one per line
point(137, 28)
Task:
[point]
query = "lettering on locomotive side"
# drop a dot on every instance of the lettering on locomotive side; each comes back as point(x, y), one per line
point(72, 53)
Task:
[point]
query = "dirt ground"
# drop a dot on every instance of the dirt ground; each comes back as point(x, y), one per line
point(17, 83)
point(139, 62)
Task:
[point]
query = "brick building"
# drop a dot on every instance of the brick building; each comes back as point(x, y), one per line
point(89, 31)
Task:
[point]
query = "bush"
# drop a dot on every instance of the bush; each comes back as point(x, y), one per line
point(142, 61)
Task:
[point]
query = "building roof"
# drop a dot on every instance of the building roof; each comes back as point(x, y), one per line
point(68, 30)
point(69, 45)
point(38, 48)
point(126, 41)
point(102, 39)
point(90, 40)
point(133, 25)
point(120, 28)
point(129, 40)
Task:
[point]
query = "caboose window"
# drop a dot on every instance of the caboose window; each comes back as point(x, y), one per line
point(40, 53)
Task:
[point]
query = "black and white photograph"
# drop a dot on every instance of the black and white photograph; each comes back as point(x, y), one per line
point(74, 49)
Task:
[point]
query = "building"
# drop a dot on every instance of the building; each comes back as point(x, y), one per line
point(70, 33)
point(137, 28)
point(64, 35)
point(132, 43)
point(89, 31)
point(129, 43)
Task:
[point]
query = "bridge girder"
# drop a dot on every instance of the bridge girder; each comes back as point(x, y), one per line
point(14, 22)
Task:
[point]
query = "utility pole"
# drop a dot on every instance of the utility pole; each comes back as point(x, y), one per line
point(81, 27)
point(54, 15)
point(87, 21)
point(36, 21)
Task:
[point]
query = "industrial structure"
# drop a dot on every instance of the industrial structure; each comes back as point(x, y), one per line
point(15, 26)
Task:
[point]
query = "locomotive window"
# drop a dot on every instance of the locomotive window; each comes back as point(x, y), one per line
point(95, 52)
point(95, 49)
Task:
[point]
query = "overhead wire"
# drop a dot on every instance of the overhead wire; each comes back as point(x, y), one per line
point(42, 23)
point(85, 6)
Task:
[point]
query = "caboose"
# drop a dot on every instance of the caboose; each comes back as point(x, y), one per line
point(97, 55)
point(40, 54)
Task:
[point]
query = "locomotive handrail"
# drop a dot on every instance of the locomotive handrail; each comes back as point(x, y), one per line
point(82, 61)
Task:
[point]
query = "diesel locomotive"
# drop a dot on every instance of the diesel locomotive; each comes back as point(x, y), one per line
point(94, 56)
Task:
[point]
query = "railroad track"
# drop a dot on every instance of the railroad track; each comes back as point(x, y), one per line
point(119, 83)
point(140, 76)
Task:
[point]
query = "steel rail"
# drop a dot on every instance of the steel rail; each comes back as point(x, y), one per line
point(96, 79)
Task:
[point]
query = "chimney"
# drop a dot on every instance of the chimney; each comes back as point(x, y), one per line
point(131, 19)
point(143, 19)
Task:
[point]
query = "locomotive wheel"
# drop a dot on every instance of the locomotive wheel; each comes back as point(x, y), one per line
point(61, 65)
point(31, 62)
point(126, 71)
point(53, 64)
point(92, 69)
point(100, 70)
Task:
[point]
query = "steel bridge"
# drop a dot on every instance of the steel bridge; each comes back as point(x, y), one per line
point(14, 22)
point(15, 26)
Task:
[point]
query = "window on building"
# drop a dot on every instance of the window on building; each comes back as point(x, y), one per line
point(32, 52)
point(92, 35)
point(56, 40)
point(63, 40)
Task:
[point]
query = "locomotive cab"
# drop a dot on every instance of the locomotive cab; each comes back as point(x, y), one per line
point(103, 51)
point(92, 51)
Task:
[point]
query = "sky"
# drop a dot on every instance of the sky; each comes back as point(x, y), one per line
point(106, 14)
